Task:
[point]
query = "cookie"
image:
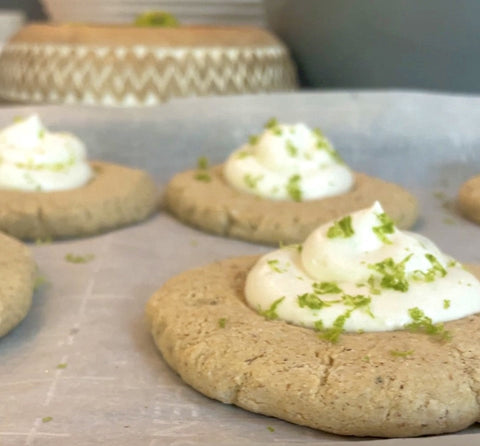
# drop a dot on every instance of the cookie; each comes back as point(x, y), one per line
point(469, 199)
point(115, 197)
point(214, 206)
point(387, 384)
point(17, 270)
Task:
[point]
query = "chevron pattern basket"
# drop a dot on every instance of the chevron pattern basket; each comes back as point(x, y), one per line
point(138, 75)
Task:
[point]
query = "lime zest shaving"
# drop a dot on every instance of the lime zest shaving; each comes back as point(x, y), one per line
point(74, 258)
point(341, 228)
point(386, 227)
point(202, 173)
point(293, 187)
point(326, 288)
point(422, 323)
point(252, 181)
point(271, 313)
point(401, 353)
point(392, 274)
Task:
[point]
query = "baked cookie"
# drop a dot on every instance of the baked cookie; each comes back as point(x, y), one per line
point(216, 207)
point(115, 197)
point(388, 384)
point(469, 199)
point(49, 189)
point(280, 186)
point(17, 270)
point(361, 330)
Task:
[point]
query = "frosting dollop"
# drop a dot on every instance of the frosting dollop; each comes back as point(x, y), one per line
point(288, 162)
point(34, 159)
point(361, 273)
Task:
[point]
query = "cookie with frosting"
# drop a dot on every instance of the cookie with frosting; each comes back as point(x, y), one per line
point(49, 189)
point(278, 187)
point(361, 330)
point(18, 271)
point(469, 199)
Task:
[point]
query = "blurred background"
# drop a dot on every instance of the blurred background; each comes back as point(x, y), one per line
point(428, 44)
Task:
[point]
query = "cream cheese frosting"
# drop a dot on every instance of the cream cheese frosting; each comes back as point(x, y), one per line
point(288, 162)
point(361, 273)
point(34, 159)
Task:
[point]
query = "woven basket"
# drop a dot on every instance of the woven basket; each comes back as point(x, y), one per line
point(132, 66)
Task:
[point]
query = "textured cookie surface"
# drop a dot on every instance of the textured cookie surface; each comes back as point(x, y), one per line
point(362, 385)
point(115, 197)
point(469, 199)
point(17, 272)
point(215, 206)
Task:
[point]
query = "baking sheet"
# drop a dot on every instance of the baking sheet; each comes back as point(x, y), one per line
point(82, 368)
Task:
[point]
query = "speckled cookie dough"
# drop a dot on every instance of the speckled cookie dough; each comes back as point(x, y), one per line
point(469, 199)
point(388, 384)
point(214, 206)
point(17, 270)
point(115, 197)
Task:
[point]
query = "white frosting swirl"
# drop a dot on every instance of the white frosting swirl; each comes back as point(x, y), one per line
point(34, 159)
point(288, 162)
point(365, 270)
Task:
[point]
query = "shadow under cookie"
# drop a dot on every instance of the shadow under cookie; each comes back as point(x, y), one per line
point(115, 197)
point(214, 206)
point(469, 199)
point(360, 386)
point(17, 270)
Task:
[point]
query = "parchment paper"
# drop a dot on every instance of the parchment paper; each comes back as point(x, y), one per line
point(82, 368)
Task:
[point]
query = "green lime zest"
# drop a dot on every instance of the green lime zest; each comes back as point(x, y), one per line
point(47, 419)
point(275, 266)
point(358, 302)
point(271, 123)
point(333, 334)
point(326, 288)
point(437, 270)
point(373, 286)
point(44, 241)
point(73, 258)
point(222, 322)
point(243, 154)
point(202, 173)
point(291, 149)
point(446, 304)
point(401, 354)
point(318, 325)
point(422, 323)
point(271, 313)
point(341, 228)
point(253, 139)
point(252, 181)
point(39, 282)
point(313, 302)
point(156, 19)
point(202, 163)
point(293, 187)
point(62, 365)
point(386, 227)
point(393, 274)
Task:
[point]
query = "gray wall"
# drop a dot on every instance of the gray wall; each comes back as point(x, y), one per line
point(433, 44)
point(32, 8)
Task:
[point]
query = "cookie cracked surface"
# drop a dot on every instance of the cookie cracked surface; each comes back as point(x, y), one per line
point(469, 199)
point(363, 385)
point(115, 197)
point(17, 270)
point(216, 207)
